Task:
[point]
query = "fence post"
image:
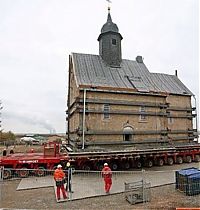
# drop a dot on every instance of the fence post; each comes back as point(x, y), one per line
point(143, 185)
point(1, 180)
point(1, 173)
point(69, 181)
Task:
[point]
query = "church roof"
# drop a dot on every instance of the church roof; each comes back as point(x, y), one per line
point(93, 71)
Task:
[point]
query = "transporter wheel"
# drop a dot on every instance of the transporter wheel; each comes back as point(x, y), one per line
point(114, 166)
point(138, 164)
point(160, 162)
point(170, 161)
point(188, 159)
point(197, 158)
point(40, 171)
point(179, 160)
point(86, 167)
point(127, 165)
point(6, 173)
point(149, 163)
point(100, 166)
point(23, 173)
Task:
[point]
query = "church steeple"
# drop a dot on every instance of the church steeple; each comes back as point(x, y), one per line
point(110, 43)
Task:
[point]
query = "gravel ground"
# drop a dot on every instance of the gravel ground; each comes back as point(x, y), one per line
point(165, 197)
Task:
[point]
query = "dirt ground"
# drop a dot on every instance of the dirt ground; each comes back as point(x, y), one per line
point(165, 197)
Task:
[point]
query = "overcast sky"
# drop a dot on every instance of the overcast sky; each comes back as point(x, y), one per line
point(37, 36)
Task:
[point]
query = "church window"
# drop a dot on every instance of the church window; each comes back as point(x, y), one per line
point(114, 41)
point(106, 110)
point(143, 115)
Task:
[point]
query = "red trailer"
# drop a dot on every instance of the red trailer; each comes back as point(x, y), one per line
point(50, 158)
point(136, 158)
point(88, 160)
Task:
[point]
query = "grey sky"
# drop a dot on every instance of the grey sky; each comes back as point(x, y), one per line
point(36, 37)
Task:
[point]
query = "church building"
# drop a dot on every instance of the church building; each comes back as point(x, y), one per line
point(117, 103)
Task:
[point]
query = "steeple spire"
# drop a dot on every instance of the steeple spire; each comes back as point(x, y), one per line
point(110, 42)
point(109, 19)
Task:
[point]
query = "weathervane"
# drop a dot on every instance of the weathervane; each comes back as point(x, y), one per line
point(109, 2)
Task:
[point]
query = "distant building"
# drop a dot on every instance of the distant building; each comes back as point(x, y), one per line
point(116, 102)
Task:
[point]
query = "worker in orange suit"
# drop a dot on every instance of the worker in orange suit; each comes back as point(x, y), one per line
point(107, 175)
point(59, 177)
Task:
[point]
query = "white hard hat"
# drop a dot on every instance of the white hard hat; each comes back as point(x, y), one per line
point(59, 166)
point(105, 164)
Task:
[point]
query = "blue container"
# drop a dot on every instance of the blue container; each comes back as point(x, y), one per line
point(188, 181)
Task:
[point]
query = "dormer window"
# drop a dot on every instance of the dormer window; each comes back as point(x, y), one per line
point(114, 42)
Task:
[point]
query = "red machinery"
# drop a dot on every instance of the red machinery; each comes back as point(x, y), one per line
point(50, 157)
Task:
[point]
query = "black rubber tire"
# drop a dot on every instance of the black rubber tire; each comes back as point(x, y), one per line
point(149, 163)
point(160, 162)
point(188, 159)
point(100, 166)
point(138, 164)
point(6, 174)
point(23, 173)
point(170, 161)
point(127, 165)
point(86, 167)
point(179, 160)
point(197, 158)
point(114, 166)
point(40, 171)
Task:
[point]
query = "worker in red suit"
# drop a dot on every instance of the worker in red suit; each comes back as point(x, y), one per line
point(59, 177)
point(107, 175)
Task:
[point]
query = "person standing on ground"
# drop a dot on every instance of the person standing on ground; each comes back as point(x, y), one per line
point(59, 177)
point(107, 175)
point(69, 177)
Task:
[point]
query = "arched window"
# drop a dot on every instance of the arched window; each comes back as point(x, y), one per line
point(128, 133)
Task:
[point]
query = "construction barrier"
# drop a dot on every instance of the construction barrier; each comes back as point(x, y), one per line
point(136, 185)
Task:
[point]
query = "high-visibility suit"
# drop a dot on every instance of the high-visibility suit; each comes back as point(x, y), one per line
point(107, 175)
point(59, 177)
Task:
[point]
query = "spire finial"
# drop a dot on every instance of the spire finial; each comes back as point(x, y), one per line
point(109, 2)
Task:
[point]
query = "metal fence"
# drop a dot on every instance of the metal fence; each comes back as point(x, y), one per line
point(137, 192)
point(135, 184)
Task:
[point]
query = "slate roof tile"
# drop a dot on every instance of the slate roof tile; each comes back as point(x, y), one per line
point(92, 70)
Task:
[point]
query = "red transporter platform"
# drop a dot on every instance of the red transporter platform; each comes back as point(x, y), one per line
point(19, 162)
